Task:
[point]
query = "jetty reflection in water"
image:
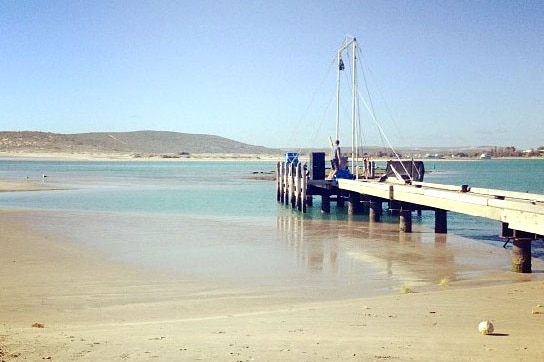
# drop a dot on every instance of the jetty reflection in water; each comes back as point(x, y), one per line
point(287, 255)
point(354, 252)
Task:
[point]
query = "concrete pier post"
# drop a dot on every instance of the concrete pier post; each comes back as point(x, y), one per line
point(521, 256)
point(440, 221)
point(405, 221)
point(375, 212)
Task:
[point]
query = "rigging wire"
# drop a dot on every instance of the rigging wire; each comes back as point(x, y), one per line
point(306, 111)
point(380, 93)
point(385, 137)
point(370, 108)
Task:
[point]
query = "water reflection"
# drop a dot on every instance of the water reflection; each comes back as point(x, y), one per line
point(357, 251)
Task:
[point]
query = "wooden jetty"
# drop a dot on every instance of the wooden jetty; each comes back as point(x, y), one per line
point(520, 214)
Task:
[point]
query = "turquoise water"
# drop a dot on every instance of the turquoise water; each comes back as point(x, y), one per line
point(220, 221)
point(204, 188)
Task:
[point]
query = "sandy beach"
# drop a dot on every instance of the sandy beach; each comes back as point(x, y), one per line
point(66, 302)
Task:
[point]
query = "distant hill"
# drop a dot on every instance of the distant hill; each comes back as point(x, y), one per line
point(138, 142)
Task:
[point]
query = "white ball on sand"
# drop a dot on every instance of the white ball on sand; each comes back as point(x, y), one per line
point(486, 327)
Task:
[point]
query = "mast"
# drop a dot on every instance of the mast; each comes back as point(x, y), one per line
point(349, 42)
point(339, 69)
point(354, 156)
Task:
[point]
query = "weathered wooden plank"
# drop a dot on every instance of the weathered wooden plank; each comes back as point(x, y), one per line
point(522, 213)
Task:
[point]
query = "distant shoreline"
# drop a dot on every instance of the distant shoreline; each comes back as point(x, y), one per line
point(213, 157)
point(62, 156)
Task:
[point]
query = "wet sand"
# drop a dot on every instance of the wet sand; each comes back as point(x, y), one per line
point(7, 186)
point(65, 301)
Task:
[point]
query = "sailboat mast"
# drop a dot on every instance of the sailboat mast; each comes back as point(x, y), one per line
point(354, 156)
point(338, 70)
point(347, 42)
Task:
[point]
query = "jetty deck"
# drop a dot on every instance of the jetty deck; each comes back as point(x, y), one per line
point(521, 214)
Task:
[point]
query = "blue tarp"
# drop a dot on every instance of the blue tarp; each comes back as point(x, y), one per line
point(344, 174)
point(291, 157)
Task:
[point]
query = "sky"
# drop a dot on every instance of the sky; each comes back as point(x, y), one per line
point(445, 73)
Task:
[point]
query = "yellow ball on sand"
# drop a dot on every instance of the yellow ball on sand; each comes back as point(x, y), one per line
point(486, 327)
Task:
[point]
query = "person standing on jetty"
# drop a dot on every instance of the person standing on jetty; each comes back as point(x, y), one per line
point(336, 159)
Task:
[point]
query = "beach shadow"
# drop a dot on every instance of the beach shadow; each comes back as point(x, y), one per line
point(499, 334)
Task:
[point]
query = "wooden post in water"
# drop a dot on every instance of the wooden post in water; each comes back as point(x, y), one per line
point(339, 198)
point(309, 198)
point(521, 255)
point(326, 201)
point(278, 181)
point(440, 221)
point(354, 203)
point(291, 185)
point(303, 189)
point(405, 221)
point(285, 183)
point(298, 192)
point(375, 212)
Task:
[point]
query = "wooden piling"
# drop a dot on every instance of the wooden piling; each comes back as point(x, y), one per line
point(309, 198)
point(297, 183)
point(521, 255)
point(326, 202)
point(339, 199)
point(405, 221)
point(375, 212)
point(440, 221)
point(291, 197)
point(303, 191)
point(354, 203)
point(278, 181)
point(285, 183)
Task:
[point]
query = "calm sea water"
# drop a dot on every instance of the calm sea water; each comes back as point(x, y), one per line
point(216, 221)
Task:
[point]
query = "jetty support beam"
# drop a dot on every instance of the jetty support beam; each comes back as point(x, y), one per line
point(278, 182)
point(440, 221)
point(354, 203)
point(375, 211)
point(521, 255)
point(326, 201)
point(339, 198)
point(405, 221)
point(303, 183)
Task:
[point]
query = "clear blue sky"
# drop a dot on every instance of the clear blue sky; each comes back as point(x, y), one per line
point(452, 73)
